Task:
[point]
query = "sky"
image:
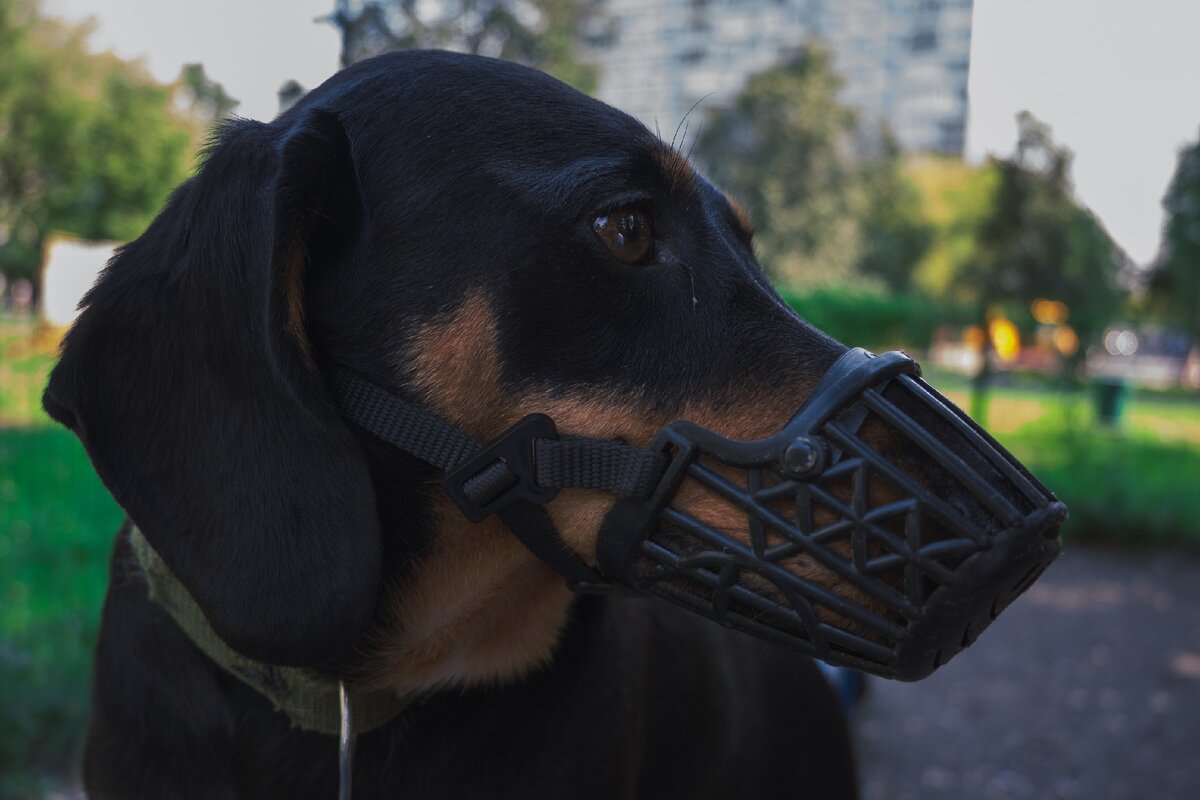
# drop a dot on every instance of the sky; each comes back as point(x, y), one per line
point(1117, 80)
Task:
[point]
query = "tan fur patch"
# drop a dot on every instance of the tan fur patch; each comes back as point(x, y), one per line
point(675, 167)
point(742, 216)
point(293, 290)
point(479, 609)
point(456, 369)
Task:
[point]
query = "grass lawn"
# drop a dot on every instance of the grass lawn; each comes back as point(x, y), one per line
point(56, 527)
point(1133, 485)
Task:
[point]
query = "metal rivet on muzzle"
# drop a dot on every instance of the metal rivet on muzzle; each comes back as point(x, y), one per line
point(804, 458)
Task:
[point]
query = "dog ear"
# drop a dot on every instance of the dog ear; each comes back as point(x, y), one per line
point(189, 378)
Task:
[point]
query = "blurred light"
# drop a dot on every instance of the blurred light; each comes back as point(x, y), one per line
point(1049, 312)
point(1065, 340)
point(1005, 338)
point(71, 268)
point(973, 336)
point(1121, 343)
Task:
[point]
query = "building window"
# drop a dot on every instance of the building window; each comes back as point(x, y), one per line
point(923, 41)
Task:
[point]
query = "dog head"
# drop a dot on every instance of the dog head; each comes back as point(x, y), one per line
point(480, 240)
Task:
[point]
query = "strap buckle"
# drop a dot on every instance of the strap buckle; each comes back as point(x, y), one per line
point(513, 449)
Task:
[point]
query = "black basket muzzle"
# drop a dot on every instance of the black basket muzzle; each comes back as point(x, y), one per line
point(888, 555)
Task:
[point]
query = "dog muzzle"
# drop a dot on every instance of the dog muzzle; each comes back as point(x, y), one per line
point(880, 529)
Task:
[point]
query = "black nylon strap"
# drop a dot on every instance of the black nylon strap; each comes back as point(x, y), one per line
point(400, 423)
point(574, 463)
point(567, 463)
point(624, 470)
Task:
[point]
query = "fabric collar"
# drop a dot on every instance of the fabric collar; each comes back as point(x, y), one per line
point(308, 697)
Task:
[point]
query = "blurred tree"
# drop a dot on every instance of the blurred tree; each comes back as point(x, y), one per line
point(89, 144)
point(954, 198)
point(289, 94)
point(895, 232)
point(1175, 285)
point(1036, 241)
point(205, 99)
point(545, 34)
point(783, 149)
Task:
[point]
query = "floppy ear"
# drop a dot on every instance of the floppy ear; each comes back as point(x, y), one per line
point(188, 378)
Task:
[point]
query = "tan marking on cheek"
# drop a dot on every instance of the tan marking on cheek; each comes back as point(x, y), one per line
point(455, 367)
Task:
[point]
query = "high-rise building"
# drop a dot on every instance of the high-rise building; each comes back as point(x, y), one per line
point(904, 62)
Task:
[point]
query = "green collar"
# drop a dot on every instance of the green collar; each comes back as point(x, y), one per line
point(309, 697)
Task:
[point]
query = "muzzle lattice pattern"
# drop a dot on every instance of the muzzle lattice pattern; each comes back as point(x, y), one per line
point(880, 529)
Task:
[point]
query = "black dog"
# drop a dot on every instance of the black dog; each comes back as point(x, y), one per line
point(486, 242)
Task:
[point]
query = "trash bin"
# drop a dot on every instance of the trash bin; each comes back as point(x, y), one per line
point(1111, 394)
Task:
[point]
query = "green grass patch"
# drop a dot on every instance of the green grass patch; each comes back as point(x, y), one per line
point(1130, 484)
point(1124, 486)
point(56, 527)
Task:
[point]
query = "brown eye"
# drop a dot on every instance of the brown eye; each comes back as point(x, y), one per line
point(627, 233)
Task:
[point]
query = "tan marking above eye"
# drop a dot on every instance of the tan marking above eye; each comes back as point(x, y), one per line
point(745, 225)
point(627, 232)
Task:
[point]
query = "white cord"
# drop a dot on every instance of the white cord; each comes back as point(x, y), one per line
point(345, 744)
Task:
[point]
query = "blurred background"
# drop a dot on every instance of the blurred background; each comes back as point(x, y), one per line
point(1009, 189)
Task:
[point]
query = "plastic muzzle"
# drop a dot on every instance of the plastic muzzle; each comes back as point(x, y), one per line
point(883, 529)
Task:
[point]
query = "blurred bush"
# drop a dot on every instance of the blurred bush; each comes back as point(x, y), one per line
point(876, 320)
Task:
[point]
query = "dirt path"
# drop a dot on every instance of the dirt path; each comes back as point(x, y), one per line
point(1087, 687)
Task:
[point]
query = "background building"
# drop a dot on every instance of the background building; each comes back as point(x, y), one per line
point(905, 62)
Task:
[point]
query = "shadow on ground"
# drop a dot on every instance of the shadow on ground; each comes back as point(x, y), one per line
point(1087, 687)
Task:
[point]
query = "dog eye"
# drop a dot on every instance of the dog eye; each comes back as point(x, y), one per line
point(627, 233)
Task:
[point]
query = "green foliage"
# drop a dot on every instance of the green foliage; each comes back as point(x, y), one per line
point(783, 151)
point(1175, 288)
point(955, 199)
point(88, 142)
point(545, 34)
point(895, 232)
point(875, 320)
point(824, 212)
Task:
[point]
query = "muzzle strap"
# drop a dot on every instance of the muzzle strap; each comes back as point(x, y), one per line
point(512, 476)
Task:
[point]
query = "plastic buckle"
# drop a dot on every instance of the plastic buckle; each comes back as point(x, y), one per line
point(513, 448)
point(631, 521)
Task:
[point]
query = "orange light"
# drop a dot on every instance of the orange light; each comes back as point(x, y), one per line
point(1065, 340)
point(1049, 312)
point(973, 336)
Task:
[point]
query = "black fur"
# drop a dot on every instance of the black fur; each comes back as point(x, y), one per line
point(328, 236)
